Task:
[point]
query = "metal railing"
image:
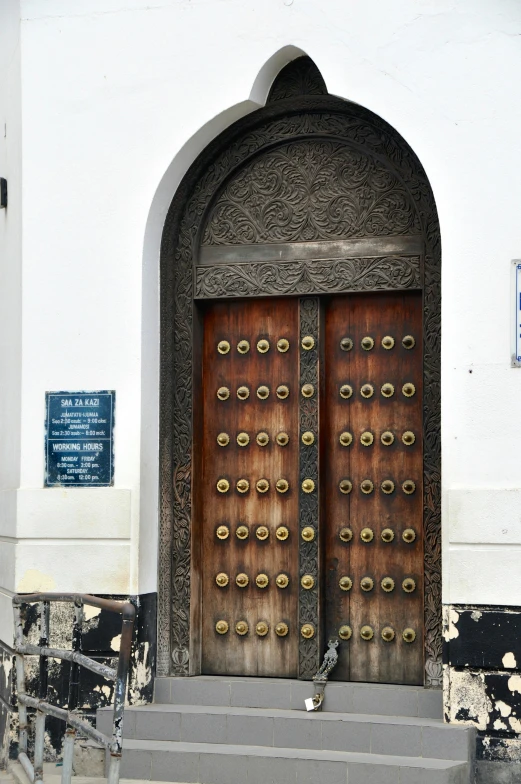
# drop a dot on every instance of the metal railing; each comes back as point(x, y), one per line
point(77, 659)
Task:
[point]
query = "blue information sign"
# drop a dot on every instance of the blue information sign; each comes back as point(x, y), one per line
point(79, 433)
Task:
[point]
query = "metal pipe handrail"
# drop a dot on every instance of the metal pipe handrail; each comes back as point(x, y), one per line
point(126, 609)
point(66, 655)
point(43, 708)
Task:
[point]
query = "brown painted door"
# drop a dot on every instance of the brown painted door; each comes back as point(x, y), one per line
point(373, 432)
point(253, 557)
point(250, 497)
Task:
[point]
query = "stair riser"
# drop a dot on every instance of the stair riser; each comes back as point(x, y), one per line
point(309, 732)
point(207, 768)
point(288, 694)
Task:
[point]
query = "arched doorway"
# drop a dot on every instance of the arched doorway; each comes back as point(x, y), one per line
point(301, 300)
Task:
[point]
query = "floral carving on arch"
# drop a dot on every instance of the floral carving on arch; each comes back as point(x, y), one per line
point(310, 189)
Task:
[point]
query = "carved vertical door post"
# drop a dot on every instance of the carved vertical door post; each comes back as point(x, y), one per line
point(310, 645)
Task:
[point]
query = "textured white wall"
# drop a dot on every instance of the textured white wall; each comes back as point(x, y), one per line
point(118, 98)
point(10, 294)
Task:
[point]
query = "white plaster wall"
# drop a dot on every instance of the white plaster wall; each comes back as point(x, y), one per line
point(120, 95)
point(10, 292)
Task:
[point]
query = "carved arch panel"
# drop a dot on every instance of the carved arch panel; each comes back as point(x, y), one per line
point(303, 172)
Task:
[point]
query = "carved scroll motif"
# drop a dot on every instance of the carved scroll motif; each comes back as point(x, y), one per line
point(307, 277)
point(311, 190)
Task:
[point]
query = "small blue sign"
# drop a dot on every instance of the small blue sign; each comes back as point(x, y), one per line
point(79, 439)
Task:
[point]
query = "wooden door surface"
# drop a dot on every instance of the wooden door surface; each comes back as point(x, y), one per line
point(250, 497)
point(369, 524)
point(373, 515)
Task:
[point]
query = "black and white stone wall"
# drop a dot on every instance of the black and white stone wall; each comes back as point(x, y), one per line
point(6, 690)
point(482, 685)
point(100, 640)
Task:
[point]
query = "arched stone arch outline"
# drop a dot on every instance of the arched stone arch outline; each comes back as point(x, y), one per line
point(320, 118)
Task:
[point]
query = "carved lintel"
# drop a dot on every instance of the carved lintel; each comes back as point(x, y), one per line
point(307, 277)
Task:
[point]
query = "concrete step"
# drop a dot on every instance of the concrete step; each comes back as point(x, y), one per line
point(382, 699)
point(272, 728)
point(207, 763)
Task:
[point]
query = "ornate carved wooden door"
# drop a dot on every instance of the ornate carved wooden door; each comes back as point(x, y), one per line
point(269, 506)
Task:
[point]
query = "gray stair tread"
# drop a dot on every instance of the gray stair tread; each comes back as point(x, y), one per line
point(284, 682)
point(341, 697)
point(279, 713)
point(253, 679)
point(289, 753)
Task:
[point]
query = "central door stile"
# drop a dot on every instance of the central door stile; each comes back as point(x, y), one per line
point(310, 633)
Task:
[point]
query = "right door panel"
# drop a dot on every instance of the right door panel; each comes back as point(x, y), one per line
point(373, 451)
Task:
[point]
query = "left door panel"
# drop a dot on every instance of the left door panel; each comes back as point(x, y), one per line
point(249, 503)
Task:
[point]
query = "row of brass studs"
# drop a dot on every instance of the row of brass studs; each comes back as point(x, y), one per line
point(307, 631)
point(387, 584)
point(367, 633)
point(243, 346)
point(308, 390)
point(367, 438)
point(367, 390)
point(263, 392)
point(262, 486)
point(308, 342)
point(263, 345)
point(367, 343)
point(262, 532)
point(261, 581)
point(345, 438)
point(367, 535)
point(366, 486)
point(308, 534)
point(261, 628)
point(262, 439)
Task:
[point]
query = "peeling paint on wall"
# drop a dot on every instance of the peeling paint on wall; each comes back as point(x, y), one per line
point(482, 682)
point(6, 687)
point(105, 690)
point(101, 640)
point(515, 724)
point(450, 632)
point(469, 702)
point(115, 644)
point(141, 670)
point(514, 683)
point(90, 612)
point(503, 708)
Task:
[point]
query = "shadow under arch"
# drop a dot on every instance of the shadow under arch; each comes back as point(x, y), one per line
point(295, 116)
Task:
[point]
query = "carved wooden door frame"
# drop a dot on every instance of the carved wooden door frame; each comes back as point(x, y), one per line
point(194, 267)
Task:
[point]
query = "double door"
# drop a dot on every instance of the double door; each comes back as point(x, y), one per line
point(310, 493)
